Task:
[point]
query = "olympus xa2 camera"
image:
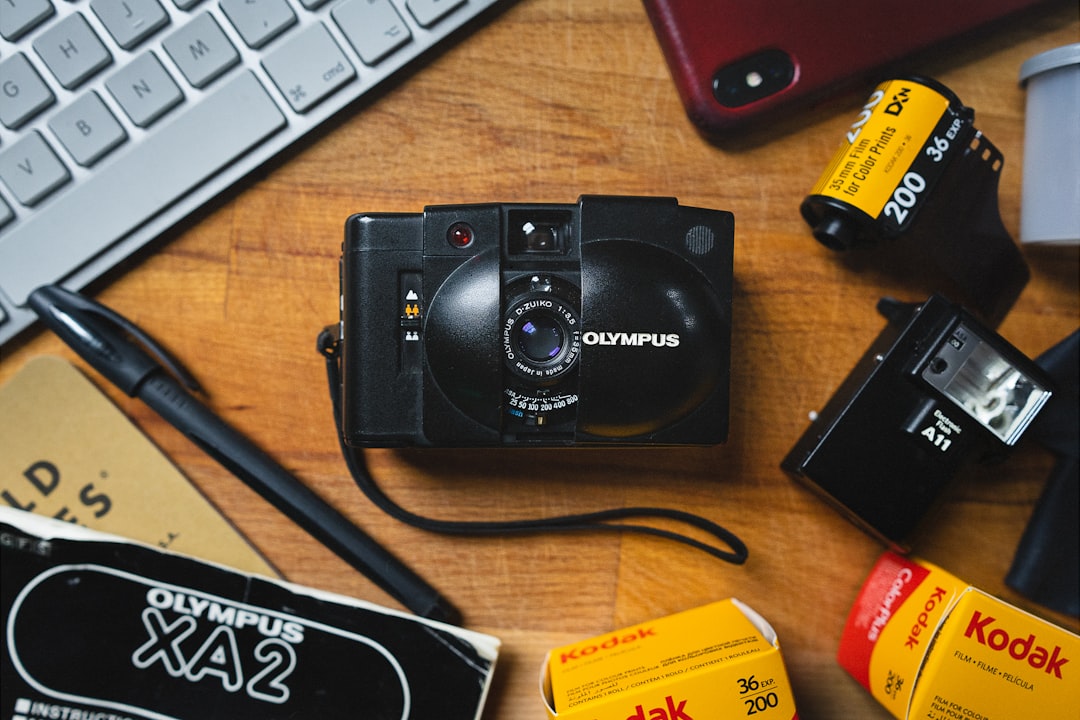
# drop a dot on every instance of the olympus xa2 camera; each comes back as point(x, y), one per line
point(604, 322)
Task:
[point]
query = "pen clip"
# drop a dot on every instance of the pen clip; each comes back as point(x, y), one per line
point(69, 300)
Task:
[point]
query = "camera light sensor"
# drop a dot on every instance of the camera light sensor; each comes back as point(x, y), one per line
point(974, 375)
point(460, 235)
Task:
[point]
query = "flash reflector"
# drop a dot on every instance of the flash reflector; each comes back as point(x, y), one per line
point(935, 390)
point(971, 373)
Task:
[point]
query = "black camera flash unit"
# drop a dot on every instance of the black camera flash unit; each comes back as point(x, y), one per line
point(935, 390)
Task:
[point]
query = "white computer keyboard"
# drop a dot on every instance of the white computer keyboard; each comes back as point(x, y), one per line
point(118, 118)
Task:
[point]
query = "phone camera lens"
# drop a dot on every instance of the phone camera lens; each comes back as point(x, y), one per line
point(753, 78)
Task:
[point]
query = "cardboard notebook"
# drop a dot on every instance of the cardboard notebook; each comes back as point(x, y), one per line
point(66, 451)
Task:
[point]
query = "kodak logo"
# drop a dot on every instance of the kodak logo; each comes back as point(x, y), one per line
point(611, 642)
point(984, 630)
point(936, 597)
point(668, 711)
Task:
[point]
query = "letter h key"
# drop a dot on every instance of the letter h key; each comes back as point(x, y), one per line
point(72, 51)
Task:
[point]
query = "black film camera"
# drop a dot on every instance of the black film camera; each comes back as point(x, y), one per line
point(605, 322)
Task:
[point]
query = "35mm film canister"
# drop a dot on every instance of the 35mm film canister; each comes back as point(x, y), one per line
point(912, 167)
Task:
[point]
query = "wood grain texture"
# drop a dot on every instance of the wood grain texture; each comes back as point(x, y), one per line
point(547, 100)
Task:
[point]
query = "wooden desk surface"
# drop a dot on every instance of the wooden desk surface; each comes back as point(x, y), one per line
point(546, 101)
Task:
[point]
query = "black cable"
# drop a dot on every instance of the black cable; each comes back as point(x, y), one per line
point(328, 346)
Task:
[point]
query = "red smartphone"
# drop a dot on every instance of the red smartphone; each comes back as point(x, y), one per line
point(740, 62)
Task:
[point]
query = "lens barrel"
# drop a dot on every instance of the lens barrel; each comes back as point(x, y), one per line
point(541, 331)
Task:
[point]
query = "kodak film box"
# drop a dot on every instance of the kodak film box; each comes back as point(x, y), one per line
point(718, 661)
point(929, 646)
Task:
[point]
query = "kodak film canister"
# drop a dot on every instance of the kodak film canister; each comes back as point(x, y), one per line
point(912, 167)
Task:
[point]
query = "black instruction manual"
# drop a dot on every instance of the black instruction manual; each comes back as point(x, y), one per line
point(100, 628)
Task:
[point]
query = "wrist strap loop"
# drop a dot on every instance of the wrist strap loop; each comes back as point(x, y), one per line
point(602, 520)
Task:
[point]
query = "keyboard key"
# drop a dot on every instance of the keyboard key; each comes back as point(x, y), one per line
point(87, 129)
point(72, 51)
point(309, 67)
point(31, 169)
point(22, 91)
point(195, 145)
point(6, 216)
point(429, 12)
point(201, 50)
point(144, 89)
point(22, 16)
point(373, 28)
point(259, 21)
point(130, 21)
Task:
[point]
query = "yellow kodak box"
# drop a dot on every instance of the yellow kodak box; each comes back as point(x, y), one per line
point(718, 661)
point(929, 646)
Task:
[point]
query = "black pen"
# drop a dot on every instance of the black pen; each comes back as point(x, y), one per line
point(136, 364)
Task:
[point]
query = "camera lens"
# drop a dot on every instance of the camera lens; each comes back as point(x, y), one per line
point(540, 329)
point(540, 337)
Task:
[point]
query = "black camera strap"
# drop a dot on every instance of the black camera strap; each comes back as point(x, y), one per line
point(602, 520)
